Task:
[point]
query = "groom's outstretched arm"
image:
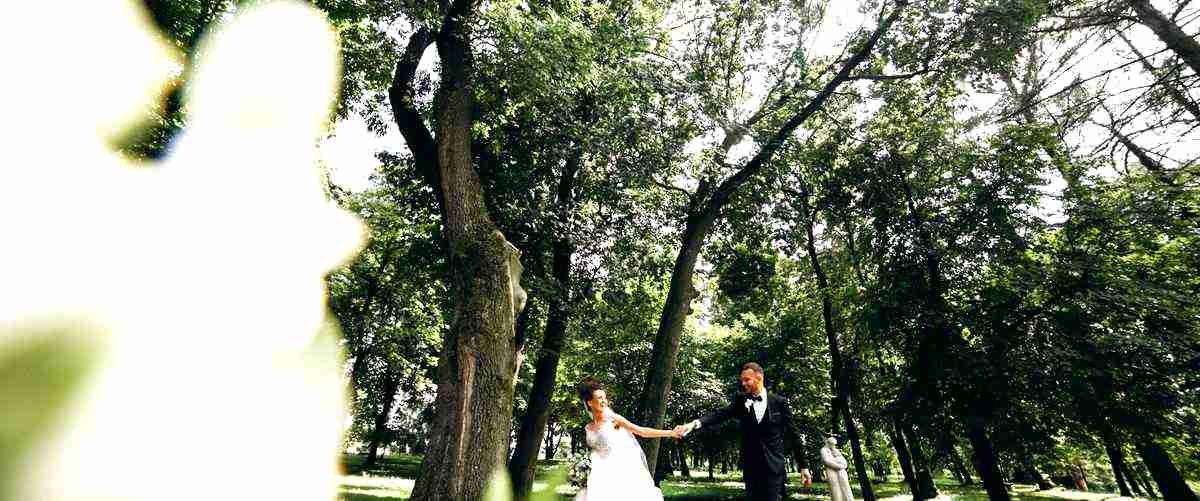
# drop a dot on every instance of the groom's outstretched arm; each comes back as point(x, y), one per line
point(720, 416)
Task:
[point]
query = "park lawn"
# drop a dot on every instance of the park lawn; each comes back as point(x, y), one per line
point(392, 480)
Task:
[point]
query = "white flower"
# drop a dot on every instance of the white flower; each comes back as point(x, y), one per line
point(195, 286)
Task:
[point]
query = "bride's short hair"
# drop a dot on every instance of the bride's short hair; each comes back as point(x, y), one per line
point(587, 387)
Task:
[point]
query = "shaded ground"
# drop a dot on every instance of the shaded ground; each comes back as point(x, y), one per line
point(392, 480)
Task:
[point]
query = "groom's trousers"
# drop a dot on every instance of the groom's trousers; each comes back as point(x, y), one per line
point(763, 486)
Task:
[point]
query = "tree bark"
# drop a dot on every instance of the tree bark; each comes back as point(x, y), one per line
point(1133, 472)
point(1117, 461)
point(837, 376)
point(1154, 166)
point(924, 478)
point(985, 459)
point(1131, 477)
point(1170, 482)
point(663, 358)
point(906, 466)
point(1184, 46)
point(386, 402)
point(522, 467)
point(700, 218)
point(477, 367)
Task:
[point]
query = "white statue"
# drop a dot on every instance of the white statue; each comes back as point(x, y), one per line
point(835, 471)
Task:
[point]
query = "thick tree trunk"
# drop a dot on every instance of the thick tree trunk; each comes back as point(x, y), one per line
point(473, 408)
point(985, 459)
point(678, 306)
point(387, 400)
point(1183, 45)
point(533, 424)
point(1116, 459)
point(1170, 482)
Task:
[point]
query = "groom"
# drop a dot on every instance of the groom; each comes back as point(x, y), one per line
point(765, 421)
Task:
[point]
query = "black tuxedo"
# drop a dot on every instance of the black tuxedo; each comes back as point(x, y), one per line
point(764, 466)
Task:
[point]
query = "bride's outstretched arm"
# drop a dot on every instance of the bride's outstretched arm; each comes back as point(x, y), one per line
point(642, 431)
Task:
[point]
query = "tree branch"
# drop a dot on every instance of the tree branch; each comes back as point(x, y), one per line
point(1179, 10)
point(1076, 83)
point(402, 98)
point(904, 76)
point(668, 186)
point(1176, 95)
point(728, 187)
point(1079, 26)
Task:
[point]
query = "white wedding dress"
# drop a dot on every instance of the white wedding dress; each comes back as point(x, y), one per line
point(619, 470)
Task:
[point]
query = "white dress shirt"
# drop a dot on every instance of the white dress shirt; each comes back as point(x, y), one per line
point(758, 407)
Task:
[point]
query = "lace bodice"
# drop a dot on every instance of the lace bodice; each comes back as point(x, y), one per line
point(600, 440)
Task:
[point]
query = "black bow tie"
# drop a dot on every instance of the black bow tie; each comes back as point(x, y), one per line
point(756, 398)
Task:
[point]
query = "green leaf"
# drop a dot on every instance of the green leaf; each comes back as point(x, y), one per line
point(41, 373)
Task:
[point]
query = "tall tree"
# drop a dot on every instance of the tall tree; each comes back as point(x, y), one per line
point(390, 303)
point(705, 206)
point(479, 353)
point(810, 213)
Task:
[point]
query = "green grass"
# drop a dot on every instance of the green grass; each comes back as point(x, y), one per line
point(391, 479)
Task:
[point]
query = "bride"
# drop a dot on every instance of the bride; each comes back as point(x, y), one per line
point(619, 471)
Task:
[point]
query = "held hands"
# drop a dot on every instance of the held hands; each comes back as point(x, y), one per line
point(682, 430)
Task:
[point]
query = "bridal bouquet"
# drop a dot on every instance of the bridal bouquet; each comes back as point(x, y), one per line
point(580, 467)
